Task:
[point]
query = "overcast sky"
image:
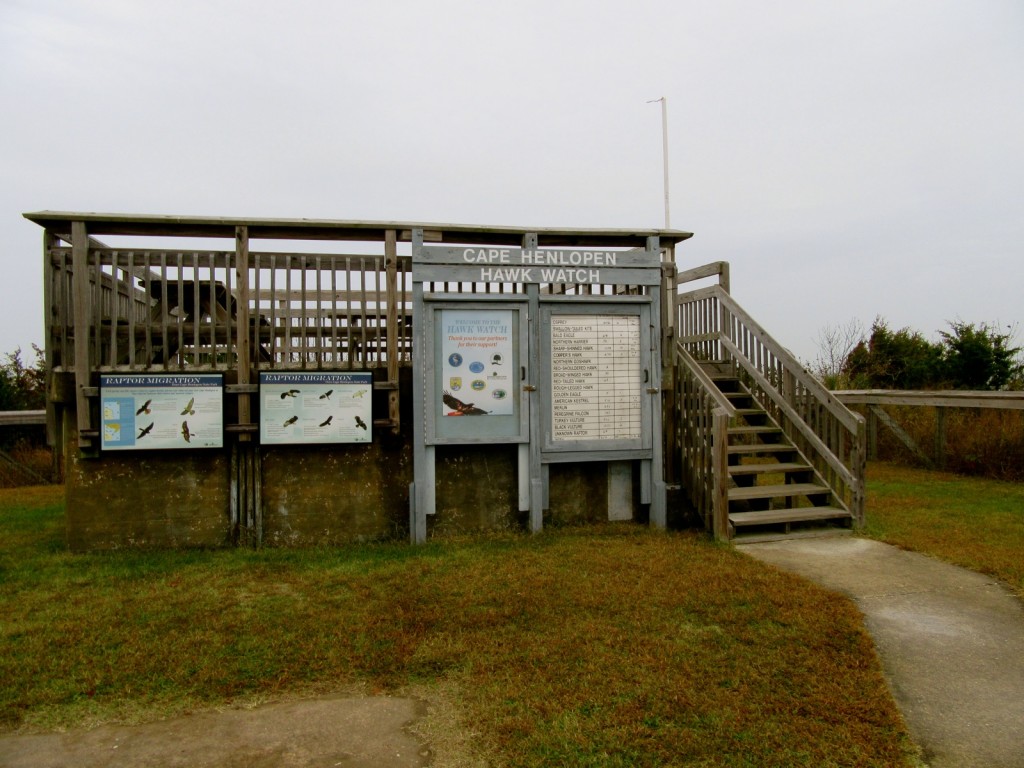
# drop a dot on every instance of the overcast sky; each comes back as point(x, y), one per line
point(849, 158)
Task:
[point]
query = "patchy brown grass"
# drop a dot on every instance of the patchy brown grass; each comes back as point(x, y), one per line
point(607, 646)
point(973, 522)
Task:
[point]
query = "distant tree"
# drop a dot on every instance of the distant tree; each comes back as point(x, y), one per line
point(22, 387)
point(979, 357)
point(835, 343)
point(888, 359)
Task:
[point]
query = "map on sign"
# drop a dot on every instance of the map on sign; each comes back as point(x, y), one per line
point(595, 377)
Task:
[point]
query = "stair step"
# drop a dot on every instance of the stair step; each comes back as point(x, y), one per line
point(774, 491)
point(801, 515)
point(754, 430)
point(762, 448)
point(769, 468)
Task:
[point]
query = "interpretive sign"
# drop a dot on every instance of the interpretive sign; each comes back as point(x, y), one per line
point(595, 377)
point(316, 408)
point(477, 363)
point(161, 411)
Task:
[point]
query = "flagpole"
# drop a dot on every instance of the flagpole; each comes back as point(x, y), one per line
point(664, 150)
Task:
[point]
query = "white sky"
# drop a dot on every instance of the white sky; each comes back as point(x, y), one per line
point(850, 158)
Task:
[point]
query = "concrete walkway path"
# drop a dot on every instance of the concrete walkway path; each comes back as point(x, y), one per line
point(951, 642)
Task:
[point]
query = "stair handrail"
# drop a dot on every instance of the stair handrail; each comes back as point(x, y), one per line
point(721, 401)
point(703, 441)
point(736, 334)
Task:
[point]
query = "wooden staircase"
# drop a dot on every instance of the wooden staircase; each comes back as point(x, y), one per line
point(772, 489)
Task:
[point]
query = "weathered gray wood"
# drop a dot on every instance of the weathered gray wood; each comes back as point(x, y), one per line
point(1010, 401)
point(471, 274)
point(334, 229)
point(774, 491)
point(819, 445)
point(900, 433)
point(234, 514)
point(655, 468)
point(719, 471)
point(800, 515)
point(538, 486)
point(80, 301)
point(242, 326)
point(718, 269)
point(23, 418)
point(391, 265)
point(418, 496)
point(570, 258)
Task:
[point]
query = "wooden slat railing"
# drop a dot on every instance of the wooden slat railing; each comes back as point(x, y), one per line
point(172, 310)
point(703, 421)
point(713, 327)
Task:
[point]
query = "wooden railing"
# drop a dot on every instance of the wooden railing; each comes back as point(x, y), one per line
point(702, 439)
point(832, 438)
point(171, 310)
point(875, 400)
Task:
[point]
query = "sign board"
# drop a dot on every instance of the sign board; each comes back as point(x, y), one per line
point(318, 407)
point(525, 265)
point(141, 412)
point(474, 393)
point(569, 375)
point(476, 362)
point(595, 368)
point(595, 377)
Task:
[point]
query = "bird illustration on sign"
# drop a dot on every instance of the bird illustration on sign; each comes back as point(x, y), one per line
point(459, 408)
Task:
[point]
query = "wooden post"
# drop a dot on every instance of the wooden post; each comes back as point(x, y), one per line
point(537, 476)
point(420, 495)
point(670, 373)
point(242, 326)
point(48, 340)
point(872, 434)
point(858, 463)
point(80, 293)
point(659, 514)
point(940, 437)
point(391, 267)
point(720, 473)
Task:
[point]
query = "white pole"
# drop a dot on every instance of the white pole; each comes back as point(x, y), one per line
point(664, 150)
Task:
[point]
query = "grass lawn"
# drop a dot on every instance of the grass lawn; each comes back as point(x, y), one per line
point(608, 646)
point(972, 522)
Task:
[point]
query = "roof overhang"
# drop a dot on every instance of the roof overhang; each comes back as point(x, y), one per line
point(59, 223)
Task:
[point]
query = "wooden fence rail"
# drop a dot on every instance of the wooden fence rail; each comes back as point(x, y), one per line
point(875, 400)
